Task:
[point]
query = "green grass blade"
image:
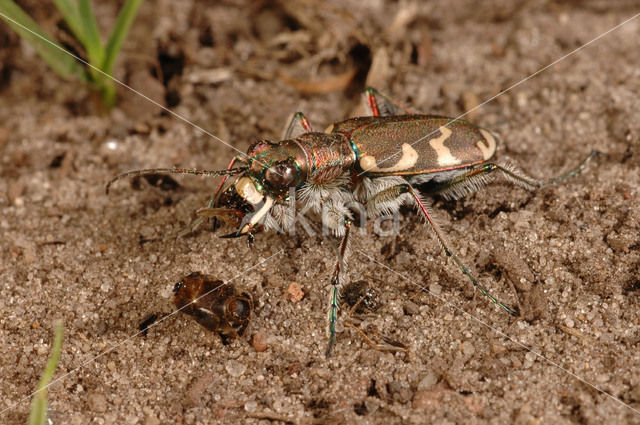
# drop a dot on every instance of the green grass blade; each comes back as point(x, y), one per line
point(63, 64)
point(123, 23)
point(38, 414)
point(69, 11)
point(92, 42)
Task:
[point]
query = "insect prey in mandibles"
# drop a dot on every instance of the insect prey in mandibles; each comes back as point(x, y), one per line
point(366, 167)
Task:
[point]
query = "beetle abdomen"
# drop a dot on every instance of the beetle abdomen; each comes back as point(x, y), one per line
point(418, 144)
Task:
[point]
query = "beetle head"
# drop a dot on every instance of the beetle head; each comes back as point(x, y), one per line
point(276, 167)
point(271, 170)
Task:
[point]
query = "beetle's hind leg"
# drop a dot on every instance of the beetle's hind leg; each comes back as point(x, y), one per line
point(450, 253)
point(388, 200)
point(473, 179)
point(336, 284)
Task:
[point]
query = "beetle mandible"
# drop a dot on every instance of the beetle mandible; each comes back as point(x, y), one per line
point(374, 164)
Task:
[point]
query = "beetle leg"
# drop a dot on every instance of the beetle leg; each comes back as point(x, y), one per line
point(336, 283)
point(471, 181)
point(194, 224)
point(573, 172)
point(475, 178)
point(381, 202)
point(378, 104)
point(297, 125)
point(452, 254)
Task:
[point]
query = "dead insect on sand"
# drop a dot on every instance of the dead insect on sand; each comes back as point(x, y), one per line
point(215, 305)
point(361, 296)
point(365, 167)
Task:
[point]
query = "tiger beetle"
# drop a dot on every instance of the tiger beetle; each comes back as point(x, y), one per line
point(369, 165)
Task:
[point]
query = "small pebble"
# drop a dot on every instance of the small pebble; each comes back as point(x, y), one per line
point(435, 289)
point(403, 258)
point(259, 341)
point(410, 308)
point(97, 402)
point(468, 349)
point(399, 391)
point(428, 381)
point(294, 292)
point(250, 406)
point(235, 368)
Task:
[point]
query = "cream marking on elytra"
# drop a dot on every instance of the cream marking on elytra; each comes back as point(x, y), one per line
point(407, 160)
point(445, 158)
point(490, 148)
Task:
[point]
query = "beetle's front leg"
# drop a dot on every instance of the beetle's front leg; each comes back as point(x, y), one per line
point(336, 284)
point(193, 226)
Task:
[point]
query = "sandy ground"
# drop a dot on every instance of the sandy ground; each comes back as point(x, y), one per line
point(567, 255)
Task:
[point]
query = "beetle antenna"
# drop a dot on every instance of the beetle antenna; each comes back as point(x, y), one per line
point(193, 171)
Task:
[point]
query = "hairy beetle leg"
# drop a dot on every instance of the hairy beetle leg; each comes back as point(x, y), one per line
point(336, 283)
point(450, 253)
point(394, 192)
point(472, 180)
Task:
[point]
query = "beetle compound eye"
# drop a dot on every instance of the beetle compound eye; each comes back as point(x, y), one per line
point(282, 175)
